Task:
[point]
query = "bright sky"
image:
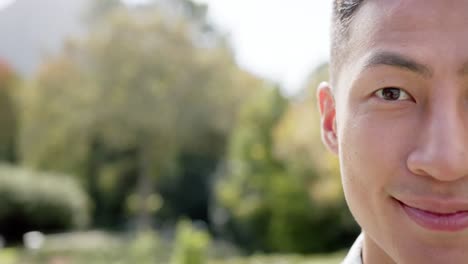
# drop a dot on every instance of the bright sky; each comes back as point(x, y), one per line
point(4, 3)
point(282, 40)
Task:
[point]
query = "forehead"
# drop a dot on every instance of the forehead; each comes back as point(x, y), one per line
point(420, 29)
point(413, 14)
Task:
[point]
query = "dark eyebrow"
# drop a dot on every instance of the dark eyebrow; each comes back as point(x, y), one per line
point(397, 60)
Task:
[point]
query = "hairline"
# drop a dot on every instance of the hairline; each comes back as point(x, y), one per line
point(344, 12)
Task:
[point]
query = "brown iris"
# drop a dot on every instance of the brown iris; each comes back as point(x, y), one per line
point(391, 94)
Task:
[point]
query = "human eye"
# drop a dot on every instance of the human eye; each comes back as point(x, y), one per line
point(392, 94)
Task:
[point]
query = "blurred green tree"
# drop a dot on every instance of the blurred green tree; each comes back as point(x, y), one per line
point(280, 190)
point(298, 145)
point(245, 187)
point(191, 244)
point(8, 113)
point(141, 95)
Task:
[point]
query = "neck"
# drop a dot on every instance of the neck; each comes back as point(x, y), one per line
point(373, 253)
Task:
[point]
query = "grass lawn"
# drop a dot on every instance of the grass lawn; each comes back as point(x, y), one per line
point(12, 256)
point(104, 248)
point(334, 258)
point(8, 256)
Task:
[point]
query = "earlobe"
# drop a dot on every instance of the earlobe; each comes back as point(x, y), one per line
point(326, 102)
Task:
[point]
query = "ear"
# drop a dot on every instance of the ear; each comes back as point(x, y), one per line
point(326, 103)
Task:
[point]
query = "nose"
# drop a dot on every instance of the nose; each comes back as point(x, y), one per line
point(441, 150)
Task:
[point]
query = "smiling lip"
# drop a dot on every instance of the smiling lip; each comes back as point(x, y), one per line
point(437, 216)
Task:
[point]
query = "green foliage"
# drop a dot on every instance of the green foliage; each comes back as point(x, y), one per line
point(102, 248)
point(191, 245)
point(298, 142)
point(245, 190)
point(125, 106)
point(299, 146)
point(8, 114)
point(281, 191)
point(145, 247)
point(39, 201)
point(9, 256)
point(334, 258)
point(143, 109)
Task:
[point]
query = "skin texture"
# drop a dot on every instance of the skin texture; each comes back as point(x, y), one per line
point(413, 149)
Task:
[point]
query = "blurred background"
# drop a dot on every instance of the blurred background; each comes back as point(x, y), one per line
point(166, 131)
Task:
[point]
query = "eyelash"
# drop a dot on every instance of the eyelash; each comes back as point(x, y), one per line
point(380, 94)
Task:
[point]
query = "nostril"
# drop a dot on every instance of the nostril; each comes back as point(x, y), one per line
point(441, 165)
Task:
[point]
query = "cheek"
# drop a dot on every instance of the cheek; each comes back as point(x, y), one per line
point(372, 156)
point(368, 148)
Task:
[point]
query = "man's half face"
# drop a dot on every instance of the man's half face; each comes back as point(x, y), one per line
point(401, 129)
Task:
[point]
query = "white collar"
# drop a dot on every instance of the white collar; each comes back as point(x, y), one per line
point(354, 254)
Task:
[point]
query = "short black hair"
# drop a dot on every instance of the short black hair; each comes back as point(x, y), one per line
point(343, 13)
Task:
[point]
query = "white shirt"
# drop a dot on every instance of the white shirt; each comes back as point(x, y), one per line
point(355, 253)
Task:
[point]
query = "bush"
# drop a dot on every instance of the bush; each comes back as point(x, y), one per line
point(146, 247)
point(262, 203)
point(191, 245)
point(39, 201)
